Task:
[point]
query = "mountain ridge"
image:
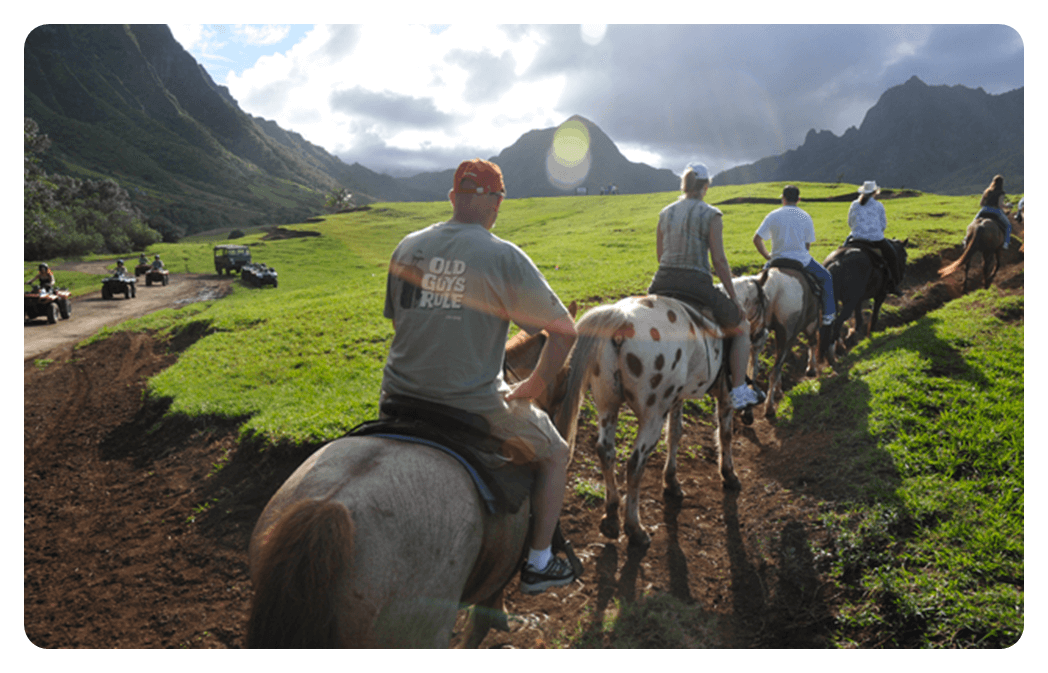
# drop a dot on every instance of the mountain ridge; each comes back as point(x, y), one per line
point(127, 102)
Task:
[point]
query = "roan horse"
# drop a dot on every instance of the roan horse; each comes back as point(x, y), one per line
point(650, 353)
point(857, 278)
point(984, 235)
point(376, 542)
point(792, 310)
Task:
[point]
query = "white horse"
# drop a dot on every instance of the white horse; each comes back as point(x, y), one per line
point(792, 310)
point(650, 353)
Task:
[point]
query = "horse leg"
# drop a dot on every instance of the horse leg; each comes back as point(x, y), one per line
point(725, 462)
point(674, 432)
point(609, 421)
point(991, 263)
point(648, 432)
point(877, 301)
point(484, 616)
point(775, 373)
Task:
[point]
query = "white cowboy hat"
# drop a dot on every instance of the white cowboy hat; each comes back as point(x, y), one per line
point(868, 187)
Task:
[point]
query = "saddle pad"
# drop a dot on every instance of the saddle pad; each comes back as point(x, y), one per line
point(502, 485)
point(794, 265)
point(700, 313)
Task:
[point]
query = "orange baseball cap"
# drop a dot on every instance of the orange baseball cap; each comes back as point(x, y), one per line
point(486, 175)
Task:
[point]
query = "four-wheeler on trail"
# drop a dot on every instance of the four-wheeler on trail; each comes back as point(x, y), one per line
point(156, 276)
point(118, 283)
point(258, 275)
point(47, 302)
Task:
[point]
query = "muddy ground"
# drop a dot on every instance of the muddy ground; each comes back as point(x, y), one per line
point(131, 540)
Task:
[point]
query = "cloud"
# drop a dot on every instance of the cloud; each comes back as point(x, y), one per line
point(489, 76)
point(261, 34)
point(391, 110)
point(388, 94)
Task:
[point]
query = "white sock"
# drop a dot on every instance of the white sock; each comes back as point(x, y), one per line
point(539, 558)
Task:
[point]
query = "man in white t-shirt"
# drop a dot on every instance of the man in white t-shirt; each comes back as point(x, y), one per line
point(452, 290)
point(792, 232)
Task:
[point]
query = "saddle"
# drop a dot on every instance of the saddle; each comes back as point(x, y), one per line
point(875, 254)
point(794, 265)
point(503, 486)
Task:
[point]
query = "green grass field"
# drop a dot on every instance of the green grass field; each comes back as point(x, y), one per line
point(929, 544)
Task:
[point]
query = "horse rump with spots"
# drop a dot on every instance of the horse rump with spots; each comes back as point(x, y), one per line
point(650, 353)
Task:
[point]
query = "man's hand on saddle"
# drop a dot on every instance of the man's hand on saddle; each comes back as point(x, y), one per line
point(529, 389)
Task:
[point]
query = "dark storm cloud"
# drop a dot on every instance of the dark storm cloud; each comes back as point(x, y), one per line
point(394, 111)
point(737, 93)
point(489, 76)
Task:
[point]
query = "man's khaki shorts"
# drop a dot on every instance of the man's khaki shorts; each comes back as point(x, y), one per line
point(527, 432)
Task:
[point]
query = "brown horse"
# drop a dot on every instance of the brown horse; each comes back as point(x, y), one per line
point(857, 278)
point(376, 542)
point(983, 236)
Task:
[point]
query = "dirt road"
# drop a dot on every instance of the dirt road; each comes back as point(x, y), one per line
point(90, 312)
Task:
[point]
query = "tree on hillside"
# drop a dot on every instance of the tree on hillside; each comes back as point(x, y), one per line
point(339, 199)
point(66, 216)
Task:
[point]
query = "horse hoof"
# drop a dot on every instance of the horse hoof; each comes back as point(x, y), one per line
point(609, 528)
point(639, 538)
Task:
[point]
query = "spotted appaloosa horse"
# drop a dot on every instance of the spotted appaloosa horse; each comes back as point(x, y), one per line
point(650, 353)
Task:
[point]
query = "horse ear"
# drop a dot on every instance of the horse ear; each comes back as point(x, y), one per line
point(573, 308)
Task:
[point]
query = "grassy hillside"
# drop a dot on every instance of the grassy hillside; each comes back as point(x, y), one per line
point(927, 546)
point(303, 362)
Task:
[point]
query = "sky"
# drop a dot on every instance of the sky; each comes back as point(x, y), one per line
point(404, 98)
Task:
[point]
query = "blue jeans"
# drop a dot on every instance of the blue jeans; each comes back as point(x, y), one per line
point(998, 214)
point(829, 305)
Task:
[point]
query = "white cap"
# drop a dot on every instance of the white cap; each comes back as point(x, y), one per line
point(699, 169)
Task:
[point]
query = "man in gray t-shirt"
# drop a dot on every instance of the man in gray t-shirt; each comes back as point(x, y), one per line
point(452, 290)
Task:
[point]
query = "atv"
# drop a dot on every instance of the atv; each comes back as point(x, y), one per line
point(156, 276)
point(142, 268)
point(258, 275)
point(118, 283)
point(47, 302)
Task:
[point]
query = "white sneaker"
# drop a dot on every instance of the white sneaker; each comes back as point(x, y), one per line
point(743, 397)
point(828, 319)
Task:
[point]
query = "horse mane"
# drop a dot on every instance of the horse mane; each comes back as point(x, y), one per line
point(296, 599)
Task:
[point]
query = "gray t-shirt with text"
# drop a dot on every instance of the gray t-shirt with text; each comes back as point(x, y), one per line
point(451, 292)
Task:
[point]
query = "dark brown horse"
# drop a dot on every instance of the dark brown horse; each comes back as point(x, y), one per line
point(856, 278)
point(983, 236)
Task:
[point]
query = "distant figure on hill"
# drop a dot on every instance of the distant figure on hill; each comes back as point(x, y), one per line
point(691, 232)
point(868, 222)
point(994, 205)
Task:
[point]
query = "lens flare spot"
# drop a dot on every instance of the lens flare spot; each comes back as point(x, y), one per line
point(568, 160)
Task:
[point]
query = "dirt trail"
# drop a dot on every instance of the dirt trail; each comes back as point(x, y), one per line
point(91, 313)
point(132, 542)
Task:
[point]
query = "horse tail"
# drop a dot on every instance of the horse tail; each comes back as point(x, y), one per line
point(297, 587)
point(969, 250)
point(594, 328)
